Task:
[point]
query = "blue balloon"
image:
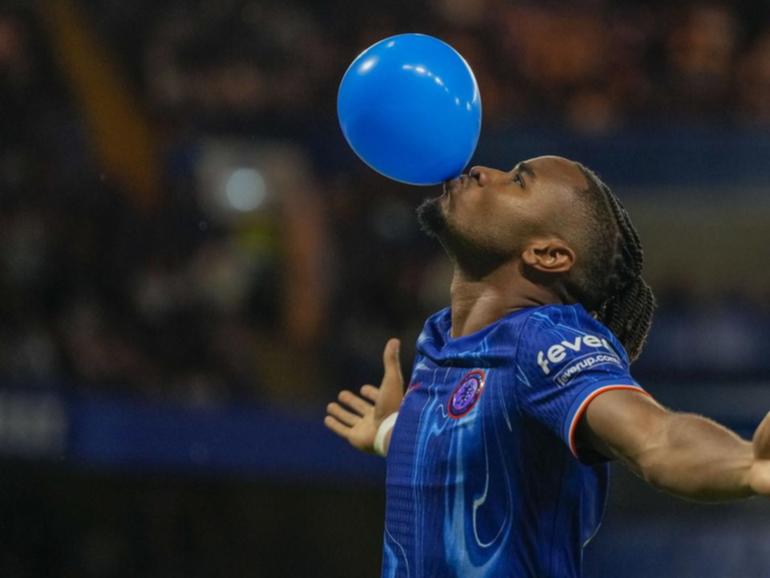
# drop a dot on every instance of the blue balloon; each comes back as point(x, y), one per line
point(410, 107)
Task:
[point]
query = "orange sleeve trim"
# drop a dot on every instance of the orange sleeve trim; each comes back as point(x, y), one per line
point(584, 406)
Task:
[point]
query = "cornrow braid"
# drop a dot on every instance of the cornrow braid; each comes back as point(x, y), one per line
point(611, 286)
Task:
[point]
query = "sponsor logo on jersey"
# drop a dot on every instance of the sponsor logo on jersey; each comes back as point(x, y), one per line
point(466, 393)
point(586, 362)
point(585, 347)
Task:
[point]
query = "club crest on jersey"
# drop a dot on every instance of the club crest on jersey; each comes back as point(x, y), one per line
point(582, 352)
point(466, 393)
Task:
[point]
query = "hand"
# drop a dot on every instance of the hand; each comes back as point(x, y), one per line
point(357, 418)
point(759, 475)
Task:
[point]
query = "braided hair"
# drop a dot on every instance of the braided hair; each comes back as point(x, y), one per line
point(610, 285)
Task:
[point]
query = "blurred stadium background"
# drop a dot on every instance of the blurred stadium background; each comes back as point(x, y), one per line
point(192, 262)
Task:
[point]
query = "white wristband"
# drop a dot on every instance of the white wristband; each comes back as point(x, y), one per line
point(385, 427)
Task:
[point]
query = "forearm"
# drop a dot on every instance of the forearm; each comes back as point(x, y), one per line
point(694, 457)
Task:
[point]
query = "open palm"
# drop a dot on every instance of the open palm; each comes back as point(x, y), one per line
point(356, 418)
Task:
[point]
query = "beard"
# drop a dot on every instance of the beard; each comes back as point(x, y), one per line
point(471, 255)
point(431, 218)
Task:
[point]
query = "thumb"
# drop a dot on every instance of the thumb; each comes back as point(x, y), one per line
point(392, 363)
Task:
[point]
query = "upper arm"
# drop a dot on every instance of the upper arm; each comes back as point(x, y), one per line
point(685, 454)
point(623, 424)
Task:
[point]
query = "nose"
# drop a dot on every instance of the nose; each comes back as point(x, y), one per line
point(480, 174)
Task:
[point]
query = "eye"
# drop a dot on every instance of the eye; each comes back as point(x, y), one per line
point(518, 179)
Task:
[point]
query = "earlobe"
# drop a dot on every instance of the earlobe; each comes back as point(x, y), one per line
point(549, 256)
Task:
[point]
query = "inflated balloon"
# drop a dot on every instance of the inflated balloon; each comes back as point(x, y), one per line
point(409, 106)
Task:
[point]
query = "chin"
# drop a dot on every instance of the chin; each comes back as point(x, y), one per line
point(432, 217)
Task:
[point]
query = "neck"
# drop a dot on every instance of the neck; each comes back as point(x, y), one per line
point(480, 301)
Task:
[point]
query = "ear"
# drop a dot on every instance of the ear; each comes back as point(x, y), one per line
point(549, 255)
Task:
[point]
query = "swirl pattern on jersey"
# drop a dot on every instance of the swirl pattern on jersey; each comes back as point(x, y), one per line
point(481, 481)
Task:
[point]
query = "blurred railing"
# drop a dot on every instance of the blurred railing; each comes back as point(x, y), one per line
point(248, 440)
point(128, 433)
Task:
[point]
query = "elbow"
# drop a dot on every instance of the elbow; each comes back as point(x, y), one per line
point(651, 469)
point(655, 473)
point(655, 468)
point(682, 482)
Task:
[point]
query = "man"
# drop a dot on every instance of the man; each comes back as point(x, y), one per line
point(521, 391)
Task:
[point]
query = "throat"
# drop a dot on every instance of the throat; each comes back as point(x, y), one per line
point(478, 303)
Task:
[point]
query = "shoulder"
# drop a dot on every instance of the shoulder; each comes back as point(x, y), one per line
point(564, 316)
point(556, 335)
point(568, 322)
point(434, 331)
point(437, 324)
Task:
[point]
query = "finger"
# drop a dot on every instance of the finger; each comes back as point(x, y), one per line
point(370, 392)
point(339, 428)
point(356, 403)
point(760, 477)
point(348, 418)
point(762, 439)
point(392, 362)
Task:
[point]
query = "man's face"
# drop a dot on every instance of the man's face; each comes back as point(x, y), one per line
point(495, 213)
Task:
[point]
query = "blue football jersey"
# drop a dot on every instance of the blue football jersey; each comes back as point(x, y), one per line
point(483, 476)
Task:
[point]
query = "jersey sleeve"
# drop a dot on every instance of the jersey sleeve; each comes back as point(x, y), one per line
point(565, 359)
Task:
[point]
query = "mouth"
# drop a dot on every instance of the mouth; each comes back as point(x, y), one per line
point(453, 185)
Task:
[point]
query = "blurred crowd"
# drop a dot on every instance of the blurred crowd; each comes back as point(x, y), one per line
point(593, 65)
point(268, 269)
